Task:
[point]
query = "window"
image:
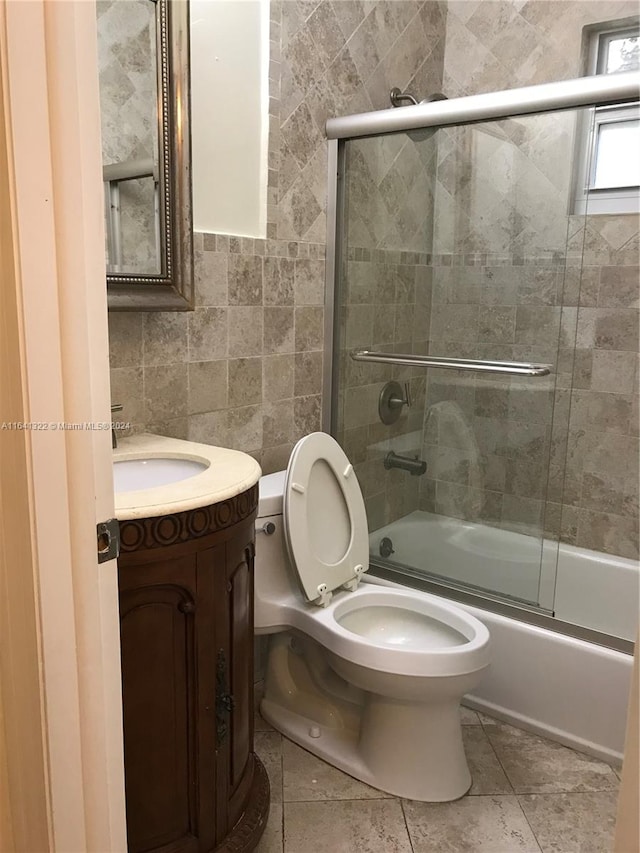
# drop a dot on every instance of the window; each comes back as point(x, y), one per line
point(608, 155)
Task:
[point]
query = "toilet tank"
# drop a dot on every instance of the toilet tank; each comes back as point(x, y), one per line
point(271, 488)
point(275, 579)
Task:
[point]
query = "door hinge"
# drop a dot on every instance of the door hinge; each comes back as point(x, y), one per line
point(108, 540)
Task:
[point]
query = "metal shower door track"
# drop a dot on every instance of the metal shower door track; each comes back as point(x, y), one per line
point(545, 97)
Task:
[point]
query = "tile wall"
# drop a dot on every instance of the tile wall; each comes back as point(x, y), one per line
point(500, 44)
point(505, 273)
point(497, 449)
point(543, 285)
point(244, 369)
point(385, 306)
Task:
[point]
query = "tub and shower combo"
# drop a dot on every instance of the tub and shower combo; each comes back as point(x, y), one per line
point(484, 379)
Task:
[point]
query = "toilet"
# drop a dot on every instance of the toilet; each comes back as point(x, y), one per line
point(367, 677)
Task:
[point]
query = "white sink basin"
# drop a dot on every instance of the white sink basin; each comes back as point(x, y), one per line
point(155, 475)
point(132, 475)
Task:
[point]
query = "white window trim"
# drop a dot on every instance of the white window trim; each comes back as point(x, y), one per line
point(598, 46)
point(586, 197)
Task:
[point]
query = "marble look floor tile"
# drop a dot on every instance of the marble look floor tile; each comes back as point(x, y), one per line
point(268, 747)
point(272, 838)
point(468, 717)
point(309, 778)
point(365, 826)
point(469, 825)
point(572, 823)
point(535, 765)
point(487, 774)
point(486, 720)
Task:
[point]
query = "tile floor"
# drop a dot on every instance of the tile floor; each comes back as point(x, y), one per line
point(528, 795)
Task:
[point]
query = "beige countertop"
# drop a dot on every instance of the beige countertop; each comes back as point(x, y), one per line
point(229, 473)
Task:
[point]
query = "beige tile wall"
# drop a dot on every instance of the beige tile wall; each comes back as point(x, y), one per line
point(564, 290)
point(500, 44)
point(514, 453)
point(386, 315)
point(244, 369)
point(599, 465)
point(511, 276)
point(385, 305)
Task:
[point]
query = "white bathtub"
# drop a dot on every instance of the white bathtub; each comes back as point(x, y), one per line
point(573, 691)
point(590, 589)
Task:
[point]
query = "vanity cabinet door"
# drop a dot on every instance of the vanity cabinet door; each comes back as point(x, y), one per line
point(158, 640)
point(193, 782)
point(235, 771)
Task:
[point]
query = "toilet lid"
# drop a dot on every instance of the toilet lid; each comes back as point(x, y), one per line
point(324, 516)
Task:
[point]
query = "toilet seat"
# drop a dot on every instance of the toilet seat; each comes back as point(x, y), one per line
point(425, 660)
point(326, 535)
point(325, 520)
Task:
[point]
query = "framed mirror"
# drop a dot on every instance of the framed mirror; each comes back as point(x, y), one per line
point(143, 50)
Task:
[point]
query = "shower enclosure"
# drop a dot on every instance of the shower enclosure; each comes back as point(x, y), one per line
point(468, 269)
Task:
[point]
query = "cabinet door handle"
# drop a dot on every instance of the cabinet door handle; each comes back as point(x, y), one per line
point(187, 607)
point(224, 700)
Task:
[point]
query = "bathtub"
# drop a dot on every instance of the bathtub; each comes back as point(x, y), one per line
point(562, 687)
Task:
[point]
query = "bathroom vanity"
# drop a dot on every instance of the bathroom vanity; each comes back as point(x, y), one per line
point(185, 572)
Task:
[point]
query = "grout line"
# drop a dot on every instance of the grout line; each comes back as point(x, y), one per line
point(340, 800)
point(282, 780)
point(282, 827)
point(404, 816)
point(495, 752)
point(565, 793)
point(529, 824)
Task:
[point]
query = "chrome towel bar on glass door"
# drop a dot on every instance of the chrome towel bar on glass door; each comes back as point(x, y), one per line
point(515, 368)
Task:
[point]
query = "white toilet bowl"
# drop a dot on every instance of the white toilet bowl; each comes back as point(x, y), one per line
point(366, 677)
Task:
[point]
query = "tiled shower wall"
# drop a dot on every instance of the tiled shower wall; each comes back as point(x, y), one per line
point(497, 449)
point(528, 281)
point(510, 270)
point(508, 275)
point(385, 304)
point(244, 369)
point(387, 315)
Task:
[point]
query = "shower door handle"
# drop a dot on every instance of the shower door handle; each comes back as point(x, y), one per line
point(477, 365)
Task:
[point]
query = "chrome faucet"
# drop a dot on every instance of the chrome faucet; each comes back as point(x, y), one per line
point(115, 407)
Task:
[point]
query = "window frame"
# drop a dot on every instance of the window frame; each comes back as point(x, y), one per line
point(600, 41)
point(586, 197)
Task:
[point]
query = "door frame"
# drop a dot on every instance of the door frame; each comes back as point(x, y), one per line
point(61, 739)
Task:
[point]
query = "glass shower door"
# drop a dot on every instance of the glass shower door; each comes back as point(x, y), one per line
point(459, 243)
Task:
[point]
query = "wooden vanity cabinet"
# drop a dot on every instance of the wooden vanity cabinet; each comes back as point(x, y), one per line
point(193, 782)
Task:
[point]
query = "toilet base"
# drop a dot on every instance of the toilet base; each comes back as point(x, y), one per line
point(408, 749)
